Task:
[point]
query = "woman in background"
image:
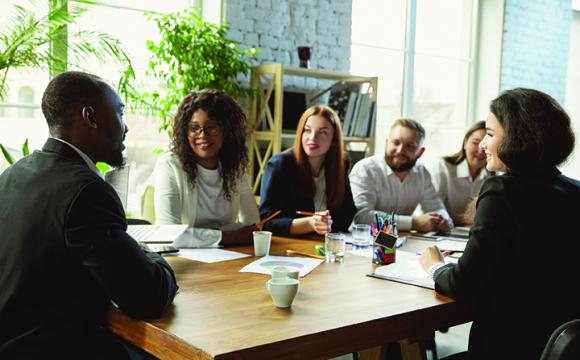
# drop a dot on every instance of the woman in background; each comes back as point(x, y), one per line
point(458, 177)
point(202, 182)
point(310, 177)
point(519, 268)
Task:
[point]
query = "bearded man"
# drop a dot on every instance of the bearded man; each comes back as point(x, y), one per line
point(396, 183)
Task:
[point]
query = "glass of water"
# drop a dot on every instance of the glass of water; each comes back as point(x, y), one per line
point(361, 235)
point(335, 247)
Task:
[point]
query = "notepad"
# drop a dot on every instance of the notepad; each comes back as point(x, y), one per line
point(407, 269)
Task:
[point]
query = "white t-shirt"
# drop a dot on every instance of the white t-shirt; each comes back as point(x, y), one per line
point(213, 210)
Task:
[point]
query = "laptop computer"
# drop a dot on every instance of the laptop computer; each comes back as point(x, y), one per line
point(156, 234)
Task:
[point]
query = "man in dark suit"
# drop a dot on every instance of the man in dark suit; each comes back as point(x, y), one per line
point(64, 252)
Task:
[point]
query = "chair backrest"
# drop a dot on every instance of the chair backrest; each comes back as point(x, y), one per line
point(564, 344)
point(147, 204)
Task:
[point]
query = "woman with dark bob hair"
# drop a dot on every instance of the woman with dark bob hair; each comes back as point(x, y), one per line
point(202, 182)
point(310, 177)
point(459, 177)
point(520, 290)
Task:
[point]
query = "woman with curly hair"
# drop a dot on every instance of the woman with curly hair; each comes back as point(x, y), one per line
point(310, 177)
point(202, 182)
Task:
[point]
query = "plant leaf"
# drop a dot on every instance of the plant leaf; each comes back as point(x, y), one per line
point(7, 155)
point(25, 149)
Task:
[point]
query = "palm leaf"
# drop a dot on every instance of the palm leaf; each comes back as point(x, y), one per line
point(7, 155)
point(25, 149)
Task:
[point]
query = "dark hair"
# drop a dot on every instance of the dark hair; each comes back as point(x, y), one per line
point(228, 113)
point(458, 157)
point(67, 93)
point(334, 162)
point(537, 131)
point(413, 125)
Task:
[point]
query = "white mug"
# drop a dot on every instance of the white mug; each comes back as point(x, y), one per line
point(285, 271)
point(283, 291)
point(262, 241)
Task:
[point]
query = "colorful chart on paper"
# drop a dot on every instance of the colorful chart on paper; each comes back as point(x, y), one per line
point(265, 264)
point(271, 264)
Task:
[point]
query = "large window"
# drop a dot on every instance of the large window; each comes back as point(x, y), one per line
point(421, 51)
point(20, 114)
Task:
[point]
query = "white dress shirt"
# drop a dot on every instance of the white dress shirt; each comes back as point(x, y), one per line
point(377, 189)
point(455, 186)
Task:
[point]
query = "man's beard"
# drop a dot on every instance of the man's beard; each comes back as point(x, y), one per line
point(401, 166)
point(116, 159)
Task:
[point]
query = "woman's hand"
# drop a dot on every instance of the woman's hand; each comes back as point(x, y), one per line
point(321, 223)
point(430, 256)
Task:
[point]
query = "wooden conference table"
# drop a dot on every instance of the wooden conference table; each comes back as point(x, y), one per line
point(220, 313)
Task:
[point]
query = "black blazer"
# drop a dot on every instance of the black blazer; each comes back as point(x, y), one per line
point(64, 255)
point(279, 191)
point(520, 266)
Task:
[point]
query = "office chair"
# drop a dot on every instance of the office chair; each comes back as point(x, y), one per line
point(564, 344)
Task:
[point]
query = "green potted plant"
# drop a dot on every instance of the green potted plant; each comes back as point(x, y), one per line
point(192, 55)
point(30, 40)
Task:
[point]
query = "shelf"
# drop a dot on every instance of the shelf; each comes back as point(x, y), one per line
point(266, 125)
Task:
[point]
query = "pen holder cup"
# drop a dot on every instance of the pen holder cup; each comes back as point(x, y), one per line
point(383, 255)
point(384, 248)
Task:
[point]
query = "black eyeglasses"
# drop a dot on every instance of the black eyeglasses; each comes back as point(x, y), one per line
point(210, 129)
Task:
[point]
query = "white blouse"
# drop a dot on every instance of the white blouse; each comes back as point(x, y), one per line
point(455, 186)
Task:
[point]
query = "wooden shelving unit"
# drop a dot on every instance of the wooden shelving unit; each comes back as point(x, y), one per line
point(266, 126)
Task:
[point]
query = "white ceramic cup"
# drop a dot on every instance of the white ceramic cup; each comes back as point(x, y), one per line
point(283, 290)
point(284, 272)
point(262, 241)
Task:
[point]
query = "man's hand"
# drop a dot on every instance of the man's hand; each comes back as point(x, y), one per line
point(428, 222)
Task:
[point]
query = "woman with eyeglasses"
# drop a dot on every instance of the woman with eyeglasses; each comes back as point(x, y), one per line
point(311, 177)
point(458, 177)
point(202, 182)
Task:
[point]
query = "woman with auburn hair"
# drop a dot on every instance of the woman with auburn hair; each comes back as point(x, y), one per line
point(521, 260)
point(458, 177)
point(311, 177)
point(202, 182)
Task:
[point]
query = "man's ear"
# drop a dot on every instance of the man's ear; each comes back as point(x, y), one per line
point(421, 151)
point(88, 113)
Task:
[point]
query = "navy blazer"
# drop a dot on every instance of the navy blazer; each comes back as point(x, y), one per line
point(279, 191)
point(520, 265)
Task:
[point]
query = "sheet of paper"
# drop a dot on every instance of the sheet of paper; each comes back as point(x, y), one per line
point(210, 255)
point(450, 245)
point(407, 269)
point(265, 264)
point(366, 252)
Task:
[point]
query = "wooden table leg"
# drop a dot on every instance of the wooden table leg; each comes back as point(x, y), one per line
point(370, 354)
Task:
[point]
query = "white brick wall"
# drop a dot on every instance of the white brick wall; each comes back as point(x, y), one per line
point(535, 45)
point(278, 27)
